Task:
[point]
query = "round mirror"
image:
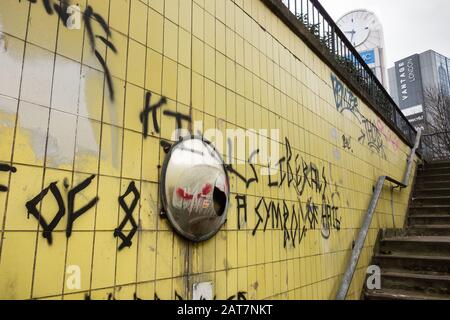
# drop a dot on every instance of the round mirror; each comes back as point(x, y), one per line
point(195, 189)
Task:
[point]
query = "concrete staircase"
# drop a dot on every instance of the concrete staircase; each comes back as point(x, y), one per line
point(415, 263)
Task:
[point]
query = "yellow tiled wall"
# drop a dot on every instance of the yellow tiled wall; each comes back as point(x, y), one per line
point(228, 63)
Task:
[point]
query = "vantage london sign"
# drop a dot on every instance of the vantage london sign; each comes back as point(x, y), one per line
point(409, 82)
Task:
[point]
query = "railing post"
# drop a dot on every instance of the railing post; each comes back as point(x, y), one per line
point(359, 244)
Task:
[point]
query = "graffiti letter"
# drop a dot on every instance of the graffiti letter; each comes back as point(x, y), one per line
point(126, 239)
point(32, 209)
point(74, 215)
point(153, 109)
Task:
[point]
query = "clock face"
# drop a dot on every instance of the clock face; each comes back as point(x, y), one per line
point(357, 26)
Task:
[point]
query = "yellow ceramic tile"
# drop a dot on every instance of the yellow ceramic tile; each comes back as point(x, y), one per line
point(198, 21)
point(70, 43)
point(78, 259)
point(126, 263)
point(185, 14)
point(210, 63)
point(42, 28)
point(155, 35)
point(108, 205)
point(16, 270)
point(49, 270)
point(170, 40)
point(198, 56)
point(163, 290)
point(164, 254)
point(138, 22)
point(154, 71)
point(136, 61)
point(111, 152)
point(119, 14)
point(132, 155)
point(16, 216)
point(104, 260)
point(146, 291)
point(184, 87)
point(125, 292)
point(158, 5)
point(170, 79)
point(171, 10)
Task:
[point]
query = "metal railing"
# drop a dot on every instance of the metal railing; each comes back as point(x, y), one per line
point(359, 244)
point(436, 146)
point(316, 19)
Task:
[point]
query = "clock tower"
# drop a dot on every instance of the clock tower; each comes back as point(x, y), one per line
point(363, 29)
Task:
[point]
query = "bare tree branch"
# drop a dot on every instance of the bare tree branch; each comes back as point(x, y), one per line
point(437, 140)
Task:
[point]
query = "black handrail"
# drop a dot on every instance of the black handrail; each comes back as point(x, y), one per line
point(316, 19)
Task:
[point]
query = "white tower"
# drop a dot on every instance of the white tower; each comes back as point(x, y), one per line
point(363, 29)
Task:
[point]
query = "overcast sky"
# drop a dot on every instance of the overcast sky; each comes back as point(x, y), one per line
point(410, 26)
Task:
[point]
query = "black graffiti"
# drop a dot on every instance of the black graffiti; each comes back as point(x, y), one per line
point(344, 97)
point(295, 219)
point(61, 10)
point(32, 208)
point(312, 177)
point(285, 174)
point(312, 214)
point(126, 239)
point(230, 169)
point(372, 135)
point(241, 205)
point(148, 108)
point(89, 15)
point(75, 214)
point(347, 142)
point(6, 168)
point(330, 219)
point(282, 216)
point(239, 296)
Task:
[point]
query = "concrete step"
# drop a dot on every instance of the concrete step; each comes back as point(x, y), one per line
point(429, 219)
point(423, 183)
point(429, 246)
point(444, 167)
point(435, 170)
point(429, 284)
point(431, 200)
point(437, 164)
point(395, 294)
point(429, 230)
point(432, 177)
point(416, 263)
point(430, 209)
point(431, 192)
